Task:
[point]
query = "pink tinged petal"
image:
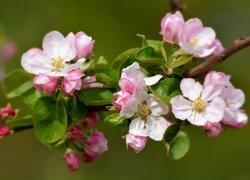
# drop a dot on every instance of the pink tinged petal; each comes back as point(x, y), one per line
point(197, 119)
point(35, 61)
point(216, 78)
point(71, 67)
point(191, 89)
point(156, 127)
point(137, 128)
point(213, 129)
point(91, 120)
point(234, 98)
point(157, 108)
point(47, 84)
point(136, 142)
point(235, 118)
point(73, 160)
point(55, 45)
point(202, 52)
point(92, 85)
point(152, 80)
point(205, 37)
point(212, 91)
point(214, 110)
point(74, 75)
point(126, 85)
point(218, 48)
point(84, 44)
point(121, 99)
point(181, 107)
point(4, 130)
point(133, 73)
point(89, 79)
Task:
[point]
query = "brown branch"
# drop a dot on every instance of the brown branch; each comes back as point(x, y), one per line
point(177, 5)
point(204, 67)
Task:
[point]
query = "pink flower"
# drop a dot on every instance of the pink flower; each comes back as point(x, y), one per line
point(217, 79)
point(196, 39)
point(84, 44)
point(8, 111)
point(91, 120)
point(198, 104)
point(56, 57)
point(234, 99)
point(75, 133)
point(136, 142)
point(72, 82)
point(90, 82)
point(95, 145)
point(212, 129)
point(87, 158)
point(73, 160)
point(132, 84)
point(47, 84)
point(4, 130)
point(171, 26)
point(218, 49)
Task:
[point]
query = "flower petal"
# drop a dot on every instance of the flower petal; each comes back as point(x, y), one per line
point(152, 80)
point(214, 110)
point(181, 107)
point(157, 108)
point(191, 89)
point(197, 119)
point(137, 127)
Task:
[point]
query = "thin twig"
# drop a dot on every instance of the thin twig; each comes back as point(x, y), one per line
point(204, 67)
point(177, 5)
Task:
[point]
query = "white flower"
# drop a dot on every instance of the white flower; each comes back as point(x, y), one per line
point(198, 105)
point(55, 58)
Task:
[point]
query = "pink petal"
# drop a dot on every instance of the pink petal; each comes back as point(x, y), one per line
point(137, 128)
point(181, 107)
point(157, 108)
point(214, 110)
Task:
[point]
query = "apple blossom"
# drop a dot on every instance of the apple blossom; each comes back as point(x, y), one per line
point(55, 58)
point(8, 111)
point(171, 26)
point(212, 129)
point(198, 104)
point(4, 130)
point(218, 49)
point(72, 82)
point(73, 160)
point(47, 84)
point(75, 133)
point(136, 142)
point(90, 82)
point(84, 45)
point(196, 39)
point(91, 120)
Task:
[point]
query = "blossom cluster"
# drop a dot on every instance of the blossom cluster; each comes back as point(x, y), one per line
point(6, 113)
point(90, 144)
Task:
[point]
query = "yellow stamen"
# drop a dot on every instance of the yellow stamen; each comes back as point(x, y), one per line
point(144, 111)
point(58, 64)
point(193, 41)
point(199, 105)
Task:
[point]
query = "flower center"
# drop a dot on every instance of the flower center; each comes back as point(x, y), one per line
point(58, 64)
point(199, 105)
point(144, 111)
point(193, 41)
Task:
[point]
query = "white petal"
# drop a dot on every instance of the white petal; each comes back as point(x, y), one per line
point(211, 91)
point(205, 37)
point(71, 67)
point(214, 110)
point(35, 61)
point(137, 128)
point(197, 119)
point(191, 89)
point(157, 108)
point(156, 126)
point(152, 80)
point(181, 107)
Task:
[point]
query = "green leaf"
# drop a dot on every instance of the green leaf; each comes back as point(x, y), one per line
point(76, 109)
point(154, 44)
point(171, 133)
point(123, 57)
point(145, 53)
point(119, 122)
point(106, 80)
point(21, 122)
point(180, 61)
point(180, 146)
point(17, 83)
point(168, 49)
point(50, 120)
point(96, 96)
point(166, 89)
point(31, 96)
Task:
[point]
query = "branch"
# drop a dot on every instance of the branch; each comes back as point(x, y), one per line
point(204, 67)
point(177, 5)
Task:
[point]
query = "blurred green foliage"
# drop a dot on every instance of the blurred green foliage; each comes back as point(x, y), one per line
point(114, 25)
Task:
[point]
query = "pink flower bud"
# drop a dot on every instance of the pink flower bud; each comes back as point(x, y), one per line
point(75, 133)
point(236, 119)
point(73, 160)
point(72, 82)
point(136, 142)
point(90, 82)
point(8, 111)
point(91, 120)
point(84, 44)
point(171, 26)
point(121, 99)
point(95, 145)
point(87, 158)
point(216, 78)
point(47, 84)
point(9, 50)
point(212, 129)
point(4, 131)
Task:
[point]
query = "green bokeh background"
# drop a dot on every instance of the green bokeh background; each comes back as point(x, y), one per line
point(114, 24)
